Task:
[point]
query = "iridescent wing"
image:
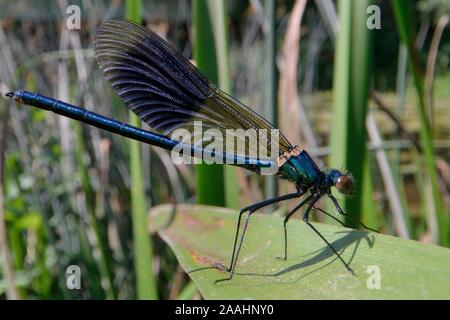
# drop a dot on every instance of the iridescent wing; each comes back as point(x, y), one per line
point(167, 92)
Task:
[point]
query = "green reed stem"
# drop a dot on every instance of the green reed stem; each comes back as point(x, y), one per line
point(209, 178)
point(143, 254)
point(403, 11)
point(350, 89)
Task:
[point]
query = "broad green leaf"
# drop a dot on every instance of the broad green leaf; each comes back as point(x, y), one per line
point(202, 236)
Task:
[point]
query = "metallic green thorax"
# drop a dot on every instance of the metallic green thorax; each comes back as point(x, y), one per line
point(302, 171)
point(298, 167)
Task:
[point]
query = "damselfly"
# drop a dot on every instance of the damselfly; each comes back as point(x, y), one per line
point(168, 93)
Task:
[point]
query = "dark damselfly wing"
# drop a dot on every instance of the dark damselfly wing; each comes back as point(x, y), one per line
point(166, 91)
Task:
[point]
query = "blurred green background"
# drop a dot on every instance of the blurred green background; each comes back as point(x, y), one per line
point(371, 101)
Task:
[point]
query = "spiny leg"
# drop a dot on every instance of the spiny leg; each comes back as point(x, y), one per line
point(233, 266)
point(286, 219)
point(339, 209)
point(235, 241)
point(253, 208)
point(306, 217)
point(332, 217)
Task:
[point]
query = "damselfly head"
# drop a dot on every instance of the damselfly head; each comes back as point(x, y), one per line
point(344, 184)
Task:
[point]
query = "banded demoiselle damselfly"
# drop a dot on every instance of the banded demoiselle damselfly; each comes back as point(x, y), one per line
point(168, 93)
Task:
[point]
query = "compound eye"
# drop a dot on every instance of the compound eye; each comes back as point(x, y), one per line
point(344, 184)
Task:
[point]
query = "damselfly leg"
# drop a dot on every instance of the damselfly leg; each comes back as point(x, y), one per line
point(306, 219)
point(339, 209)
point(312, 199)
point(332, 217)
point(250, 210)
point(286, 219)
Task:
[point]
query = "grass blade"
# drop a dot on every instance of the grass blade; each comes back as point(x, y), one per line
point(143, 256)
point(8, 271)
point(403, 12)
point(217, 11)
point(209, 178)
point(350, 89)
point(188, 291)
point(401, 223)
point(271, 82)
